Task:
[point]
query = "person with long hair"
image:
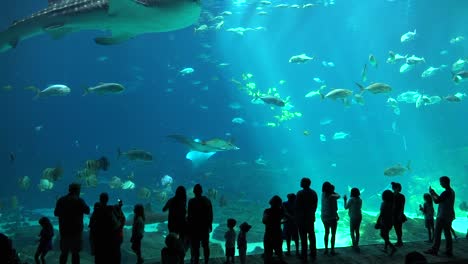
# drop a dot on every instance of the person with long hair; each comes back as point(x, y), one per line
point(354, 206)
point(329, 215)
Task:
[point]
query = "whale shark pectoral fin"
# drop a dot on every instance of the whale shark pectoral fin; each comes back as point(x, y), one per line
point(198, 158)
point(58, 31)
point(114, 39)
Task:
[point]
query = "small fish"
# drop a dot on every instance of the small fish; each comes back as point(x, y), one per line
point(238, 120)
point(406, 67)
point(105, 88)
point(373, 60)
point(376, 88)
point(323, 138)
point(186, 71)
point(460, 76)
point(364, 73)
point(274, 100)
point(301, 58)
point(337, 94)
point(408, 36)
point(429, 72)
point(340, 135)
point(457, 39)
point(12, 157)
point(413, 60)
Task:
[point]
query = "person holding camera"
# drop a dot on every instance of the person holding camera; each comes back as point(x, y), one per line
point(106, 230)
point(445, 216)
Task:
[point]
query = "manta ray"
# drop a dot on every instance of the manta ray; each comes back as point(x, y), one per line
point(203, 150)
point(125, 19)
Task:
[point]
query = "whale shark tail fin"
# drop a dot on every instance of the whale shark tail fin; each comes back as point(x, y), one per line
point(198, 158)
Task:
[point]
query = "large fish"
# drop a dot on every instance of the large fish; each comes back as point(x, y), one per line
point(212, 145)
point(397, 170)
point(136, 154)
point(125, 19)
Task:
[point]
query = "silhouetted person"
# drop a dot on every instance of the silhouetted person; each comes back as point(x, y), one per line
point(354, 206)
point(399, 216)
point(290, 231)
point(272, 239)
point(70, 210)
point(385, 220)
point(45, 240)
point(415, 257)
point(200, 221)
point(106, 230)
point(230, 239)
point(428, 210)
point(118, 220)
point(242, 241)
point(329, 215)
point(306, 205)
point(138, 230)
point(177, 218)
point(8, 254)
point(445, 216)
point(173, 252)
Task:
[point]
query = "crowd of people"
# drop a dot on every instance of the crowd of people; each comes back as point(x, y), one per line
point(190, 224)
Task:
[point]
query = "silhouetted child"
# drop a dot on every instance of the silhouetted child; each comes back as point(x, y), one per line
point(173, 252)
point(354, 205)
point(428, 210)
point(385, 220)
point(290, 229)
point(242, 241)
point(45, 240)
point(138, 229)
point(272, 239)
point(230, 237)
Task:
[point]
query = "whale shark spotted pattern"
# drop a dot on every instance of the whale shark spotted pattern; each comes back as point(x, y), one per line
point(125, 19)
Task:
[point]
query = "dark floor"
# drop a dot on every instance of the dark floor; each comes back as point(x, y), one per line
point(371, 254)
point(374, 254)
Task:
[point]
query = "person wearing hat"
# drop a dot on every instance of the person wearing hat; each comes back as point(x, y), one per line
point(70, 210)
point(242, 241)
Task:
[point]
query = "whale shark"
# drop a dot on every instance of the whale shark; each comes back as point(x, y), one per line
point(124, 19)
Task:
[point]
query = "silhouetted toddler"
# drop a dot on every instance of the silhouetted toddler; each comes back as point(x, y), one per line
point(242, 241)
point(174, 252)
point(45, 240)
point(230, 237)
point(428, 211)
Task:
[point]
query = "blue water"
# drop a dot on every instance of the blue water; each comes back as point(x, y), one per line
point(77, 128)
